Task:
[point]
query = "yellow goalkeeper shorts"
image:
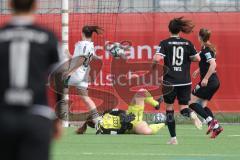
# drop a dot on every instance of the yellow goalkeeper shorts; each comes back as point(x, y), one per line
point(138, 112)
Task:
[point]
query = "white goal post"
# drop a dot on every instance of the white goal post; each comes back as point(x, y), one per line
point(65, 43)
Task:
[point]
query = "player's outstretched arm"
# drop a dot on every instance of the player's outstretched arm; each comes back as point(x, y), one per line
point(74, 65)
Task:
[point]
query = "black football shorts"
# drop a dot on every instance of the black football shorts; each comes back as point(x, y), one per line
point(207, 92)
point(182, 93)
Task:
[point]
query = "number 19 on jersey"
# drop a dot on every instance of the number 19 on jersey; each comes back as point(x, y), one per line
point(177, 60)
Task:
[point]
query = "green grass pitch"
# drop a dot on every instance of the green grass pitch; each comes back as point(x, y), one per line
point(193, 145)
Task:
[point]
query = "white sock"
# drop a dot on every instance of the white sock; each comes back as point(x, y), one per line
point(174, 138)
point(97, 119)
point(209, 119)
point(216, 126)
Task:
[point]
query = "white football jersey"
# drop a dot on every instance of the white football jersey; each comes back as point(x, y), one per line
point(85, 49)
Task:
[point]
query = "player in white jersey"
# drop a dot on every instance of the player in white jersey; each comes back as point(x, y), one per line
point(79, 68)
point(79, 78)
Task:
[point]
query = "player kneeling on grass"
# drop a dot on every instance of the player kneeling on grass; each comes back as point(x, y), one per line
point(131, 121)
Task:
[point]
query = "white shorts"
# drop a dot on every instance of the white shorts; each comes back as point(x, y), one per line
point(80, 78)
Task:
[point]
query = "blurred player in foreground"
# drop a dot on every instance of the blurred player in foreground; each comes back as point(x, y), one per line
point(178, 54)
point(208, 85)
point(27, 54)
point(79, 74)
point(131, 121)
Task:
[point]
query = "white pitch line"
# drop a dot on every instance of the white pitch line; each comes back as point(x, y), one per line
point(233, 135)
point(158, 154)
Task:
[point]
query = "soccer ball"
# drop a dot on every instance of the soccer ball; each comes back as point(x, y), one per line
point(116, 51)
point(116, 48)
point(159, 118)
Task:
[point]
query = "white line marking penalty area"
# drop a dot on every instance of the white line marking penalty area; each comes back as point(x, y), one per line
point(159, 154)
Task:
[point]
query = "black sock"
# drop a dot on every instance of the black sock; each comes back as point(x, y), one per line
point(199, 110)
point(208, 111)
point(186, 112)
point(58, 86)
point(170, 121)
point(59, 97)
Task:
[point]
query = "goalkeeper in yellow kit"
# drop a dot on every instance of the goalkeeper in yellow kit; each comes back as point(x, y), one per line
point(137, 108)
point(131, 121)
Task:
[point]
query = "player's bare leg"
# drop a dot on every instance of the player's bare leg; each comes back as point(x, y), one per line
point(196, 104)
point(139, 100)
point(142, 128)
point(62, 105)
point(213, 125)
point(187, 112)
point(142, 97)
point(145, 129)
point(91, 106)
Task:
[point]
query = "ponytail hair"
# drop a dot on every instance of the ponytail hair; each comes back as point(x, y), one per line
point(177, 25)
point(205, 35)
point(89, 30)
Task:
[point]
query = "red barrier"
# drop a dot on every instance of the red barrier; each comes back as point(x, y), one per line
point(146, 30)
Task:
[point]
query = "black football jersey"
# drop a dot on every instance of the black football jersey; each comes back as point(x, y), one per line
point(206, 55)
point(176, 52)
point(26, 53)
